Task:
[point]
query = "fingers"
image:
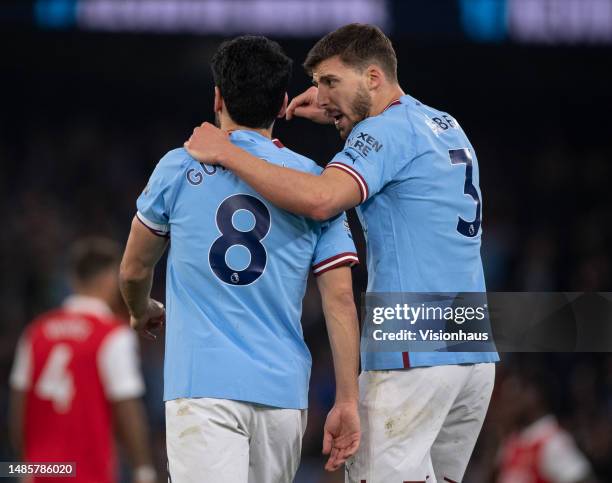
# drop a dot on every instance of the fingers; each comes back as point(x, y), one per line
point(295, 102)
point(301, 111)
point(149, 335)
point(327, 442)
point(342, 448)
point(345, 454)
point(154, 324)
point(302, 100)
point(203, 135)
point(352, 449)
point(207, 127)
point(335, 462)
point(154, 319)
point(332, 462)
point(159, 307)
point(150, 326)
point(338, 457)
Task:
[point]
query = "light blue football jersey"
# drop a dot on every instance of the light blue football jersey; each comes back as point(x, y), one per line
point(421, 212)
point(236, 275)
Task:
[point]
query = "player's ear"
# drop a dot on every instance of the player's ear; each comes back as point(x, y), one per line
point(283, 108)
point(374, 77)
point(218, 105)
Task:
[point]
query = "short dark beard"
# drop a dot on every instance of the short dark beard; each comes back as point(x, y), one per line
point(361, 104)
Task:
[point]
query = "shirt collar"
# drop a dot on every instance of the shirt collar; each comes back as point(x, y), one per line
point(87, 305)
point(541, 427)
point(247, 134)
point(392, 103)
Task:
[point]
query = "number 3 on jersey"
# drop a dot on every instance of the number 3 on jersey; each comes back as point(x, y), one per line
point(232, 236)
point(463, 156)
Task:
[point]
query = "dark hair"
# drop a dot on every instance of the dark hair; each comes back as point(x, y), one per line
point(358, 45)
point(252, 73)
point(91, 256)
point(536, 376)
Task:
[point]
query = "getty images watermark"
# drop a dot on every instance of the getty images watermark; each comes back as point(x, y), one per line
point(486, 322)
point(426, 322)
point(414, 314)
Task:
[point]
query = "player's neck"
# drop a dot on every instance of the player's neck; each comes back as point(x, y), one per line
point(99, 296)
point(390, 94)
point(532, 417)
point(229, 126)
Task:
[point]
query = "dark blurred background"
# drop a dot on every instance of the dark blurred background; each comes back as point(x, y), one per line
point(94, 92)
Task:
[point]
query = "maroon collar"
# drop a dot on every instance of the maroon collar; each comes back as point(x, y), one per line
point(277, 143)
point(393, 103)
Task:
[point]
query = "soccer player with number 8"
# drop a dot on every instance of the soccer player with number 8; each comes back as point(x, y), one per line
point(236, 367)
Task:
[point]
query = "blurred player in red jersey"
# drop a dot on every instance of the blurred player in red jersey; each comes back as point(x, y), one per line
point(76, 375)
point(539, 450)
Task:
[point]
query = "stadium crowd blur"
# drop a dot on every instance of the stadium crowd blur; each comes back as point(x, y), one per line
point(84, 119)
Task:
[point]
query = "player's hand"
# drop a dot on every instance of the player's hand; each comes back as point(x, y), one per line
point(152, 319)
point(208, 144)
point(341, 434)
point(305, 105)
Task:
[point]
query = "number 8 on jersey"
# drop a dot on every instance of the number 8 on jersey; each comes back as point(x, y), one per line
point(231, 236)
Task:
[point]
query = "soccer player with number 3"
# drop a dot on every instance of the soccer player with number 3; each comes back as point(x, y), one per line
point(236, 366)
point(413, 175)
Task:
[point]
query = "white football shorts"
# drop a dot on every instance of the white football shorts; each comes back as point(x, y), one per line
point(223, 441)
point(420, 424)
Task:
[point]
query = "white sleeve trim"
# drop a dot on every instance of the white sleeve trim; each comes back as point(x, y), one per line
point(562, 461)
point(361, 182)
point(21, 375)
point(119, 366)
point(156, 228)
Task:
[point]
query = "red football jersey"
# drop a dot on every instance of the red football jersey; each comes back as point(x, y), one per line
point(521, 461)
point(542, 453)
point(67, 415)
